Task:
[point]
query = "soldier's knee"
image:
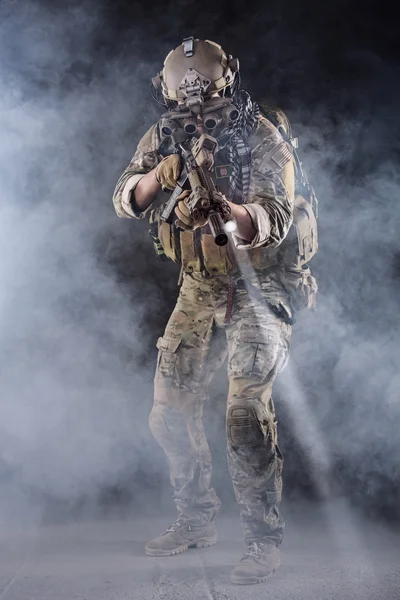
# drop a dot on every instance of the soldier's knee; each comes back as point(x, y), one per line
point(168, 422)
point(248, 423)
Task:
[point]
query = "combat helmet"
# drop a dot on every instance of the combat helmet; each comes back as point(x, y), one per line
point(196, 70)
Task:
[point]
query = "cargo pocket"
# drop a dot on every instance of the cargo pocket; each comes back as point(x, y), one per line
point(167, 356)
point(254, 354)
point(273, 482)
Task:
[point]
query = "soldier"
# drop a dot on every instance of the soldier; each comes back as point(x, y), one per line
point(236, 300)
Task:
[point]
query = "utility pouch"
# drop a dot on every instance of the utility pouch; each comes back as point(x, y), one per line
point(301, 242)
point(159, 250)
point(216, 260)
point(169, 238)
point(165, 238)
point(191, 260)
point(302, 287)
point(305, 223)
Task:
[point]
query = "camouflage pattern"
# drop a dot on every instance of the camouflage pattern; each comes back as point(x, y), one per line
point(145, 159)
point(271, 200)
point(198, 337)
point(195, 344)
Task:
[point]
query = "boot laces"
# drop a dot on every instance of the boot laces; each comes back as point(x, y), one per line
point(254, 549)
point(175, 525)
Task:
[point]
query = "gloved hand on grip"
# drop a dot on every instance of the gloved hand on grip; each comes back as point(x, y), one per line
point(168, 171)
point(185, 221)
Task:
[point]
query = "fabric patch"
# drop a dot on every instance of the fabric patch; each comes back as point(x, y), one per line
point(281, 155)
point(222, 171)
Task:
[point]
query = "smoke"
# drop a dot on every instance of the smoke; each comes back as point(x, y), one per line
point(75, 389)
point(82, 299)
point(347, 353)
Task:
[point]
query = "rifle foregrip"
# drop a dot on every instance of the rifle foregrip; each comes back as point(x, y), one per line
point(217, 229)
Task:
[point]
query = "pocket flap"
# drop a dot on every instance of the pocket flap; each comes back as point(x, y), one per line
point(256, 335)
point(167, 345)
point(251, 337)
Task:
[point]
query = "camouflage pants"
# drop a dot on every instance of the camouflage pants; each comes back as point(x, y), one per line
point(194, 345)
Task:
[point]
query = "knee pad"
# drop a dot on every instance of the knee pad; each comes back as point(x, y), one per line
point(244, 426)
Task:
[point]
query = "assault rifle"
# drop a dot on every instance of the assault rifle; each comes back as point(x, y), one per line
point(204, 200)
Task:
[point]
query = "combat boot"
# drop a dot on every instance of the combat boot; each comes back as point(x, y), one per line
point(180, 536)
point(260, 560)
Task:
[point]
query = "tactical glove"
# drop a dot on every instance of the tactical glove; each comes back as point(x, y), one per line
point(168, 171)
point(185, 221)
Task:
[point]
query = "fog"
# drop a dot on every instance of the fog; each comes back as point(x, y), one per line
point(83, 299)
point(73, 390)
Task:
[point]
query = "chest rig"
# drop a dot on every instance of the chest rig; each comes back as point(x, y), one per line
point(197, 252)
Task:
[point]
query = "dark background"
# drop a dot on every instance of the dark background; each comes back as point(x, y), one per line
point(84, 299)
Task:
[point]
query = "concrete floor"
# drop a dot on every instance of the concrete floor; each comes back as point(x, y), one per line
point(327, 554)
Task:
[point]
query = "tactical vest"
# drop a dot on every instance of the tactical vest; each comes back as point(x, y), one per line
point(196, 250)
